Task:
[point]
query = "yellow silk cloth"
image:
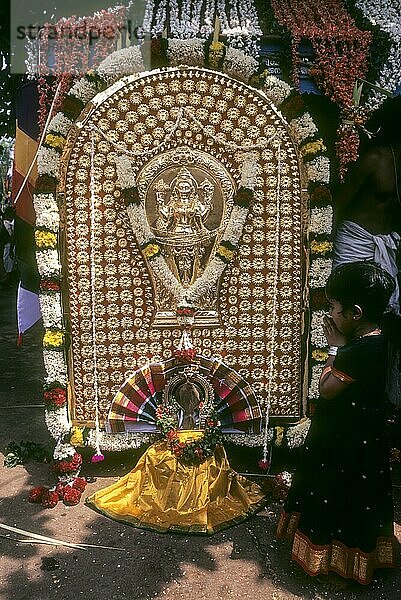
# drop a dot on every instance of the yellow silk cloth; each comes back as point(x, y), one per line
point(162, 494)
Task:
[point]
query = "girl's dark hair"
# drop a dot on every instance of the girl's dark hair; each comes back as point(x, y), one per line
point(364, 283)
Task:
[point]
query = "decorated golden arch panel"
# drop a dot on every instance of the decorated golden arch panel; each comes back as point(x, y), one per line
point(187, 135)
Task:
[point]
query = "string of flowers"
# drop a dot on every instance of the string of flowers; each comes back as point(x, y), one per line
point(67, 462)
point(317, 171)
point(386, 15)
point(98, 456)
point(341, 57)
point(68, 48)
point(264, 463)
point(189, 19)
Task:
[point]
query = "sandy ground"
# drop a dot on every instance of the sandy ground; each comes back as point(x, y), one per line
point(244, 562)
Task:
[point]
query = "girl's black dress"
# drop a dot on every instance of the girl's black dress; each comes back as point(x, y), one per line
point(339, 510)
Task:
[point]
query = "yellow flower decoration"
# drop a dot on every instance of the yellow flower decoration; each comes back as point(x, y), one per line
point(77, 436)
point(279, 436)
point(258, 79)
point(319, 355)
point(313, 148)
point(55, 141)
point(226, 252)
point(151, 250)
point(216, 52)
point(53, 339)
point(321, 247)
point(45, 239)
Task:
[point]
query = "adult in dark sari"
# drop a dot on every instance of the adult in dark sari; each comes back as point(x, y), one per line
point(339, 510)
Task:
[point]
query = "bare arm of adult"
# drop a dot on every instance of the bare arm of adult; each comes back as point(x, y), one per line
point(359, 176)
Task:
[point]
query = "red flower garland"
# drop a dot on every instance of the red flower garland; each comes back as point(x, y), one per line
point(72, 52)
point(72, 496)
point(55, 397)
point(69, 493)
point(341, 56)
point(66, 467)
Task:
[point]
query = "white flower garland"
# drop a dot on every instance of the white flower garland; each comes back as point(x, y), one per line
point(186, 52)
point(46, 210)
point(276, 89)
point(319, 272)
point(164, 274)
point(123, 62)
point(139, 223)
point(386, 14)
point(249, 171)
point(116, 442)
point(314, 382)
point(125, 174)
point(318, 338)
point(318, 169)
point(55, 367)
point(235, 226)
point(84, 90)
point(50, 307)
point(321, 220)
point(239, 21)
point(48, 263)
point(60, 124)
point(303, 127)
point(63, 451)
point(296, 435)
point(57, 422)
point(48, 162)
point(251, 441)
point(239, 65)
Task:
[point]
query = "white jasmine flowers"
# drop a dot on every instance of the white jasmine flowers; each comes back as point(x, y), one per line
point(319, 272)
point(48, 263)
point(57, 422)
point(238, 64)
point(321, 220)
point(47, 214)
point(186, 52)
point(55, 367)
point(303, 127)
point(50, 307)
point(318, 169)
point(123, 62)
point(48, 162)
point(60, 124)
point(84, 90)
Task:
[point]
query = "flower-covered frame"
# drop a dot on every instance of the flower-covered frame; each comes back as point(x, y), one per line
point(315, 168)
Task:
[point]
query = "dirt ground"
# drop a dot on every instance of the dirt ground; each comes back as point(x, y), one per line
point(244, 562)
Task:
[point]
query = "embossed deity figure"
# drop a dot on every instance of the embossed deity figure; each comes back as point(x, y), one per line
point(183, 207)
point(186, 211)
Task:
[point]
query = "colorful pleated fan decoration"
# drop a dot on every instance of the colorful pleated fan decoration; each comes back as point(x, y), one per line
point(134, 406)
